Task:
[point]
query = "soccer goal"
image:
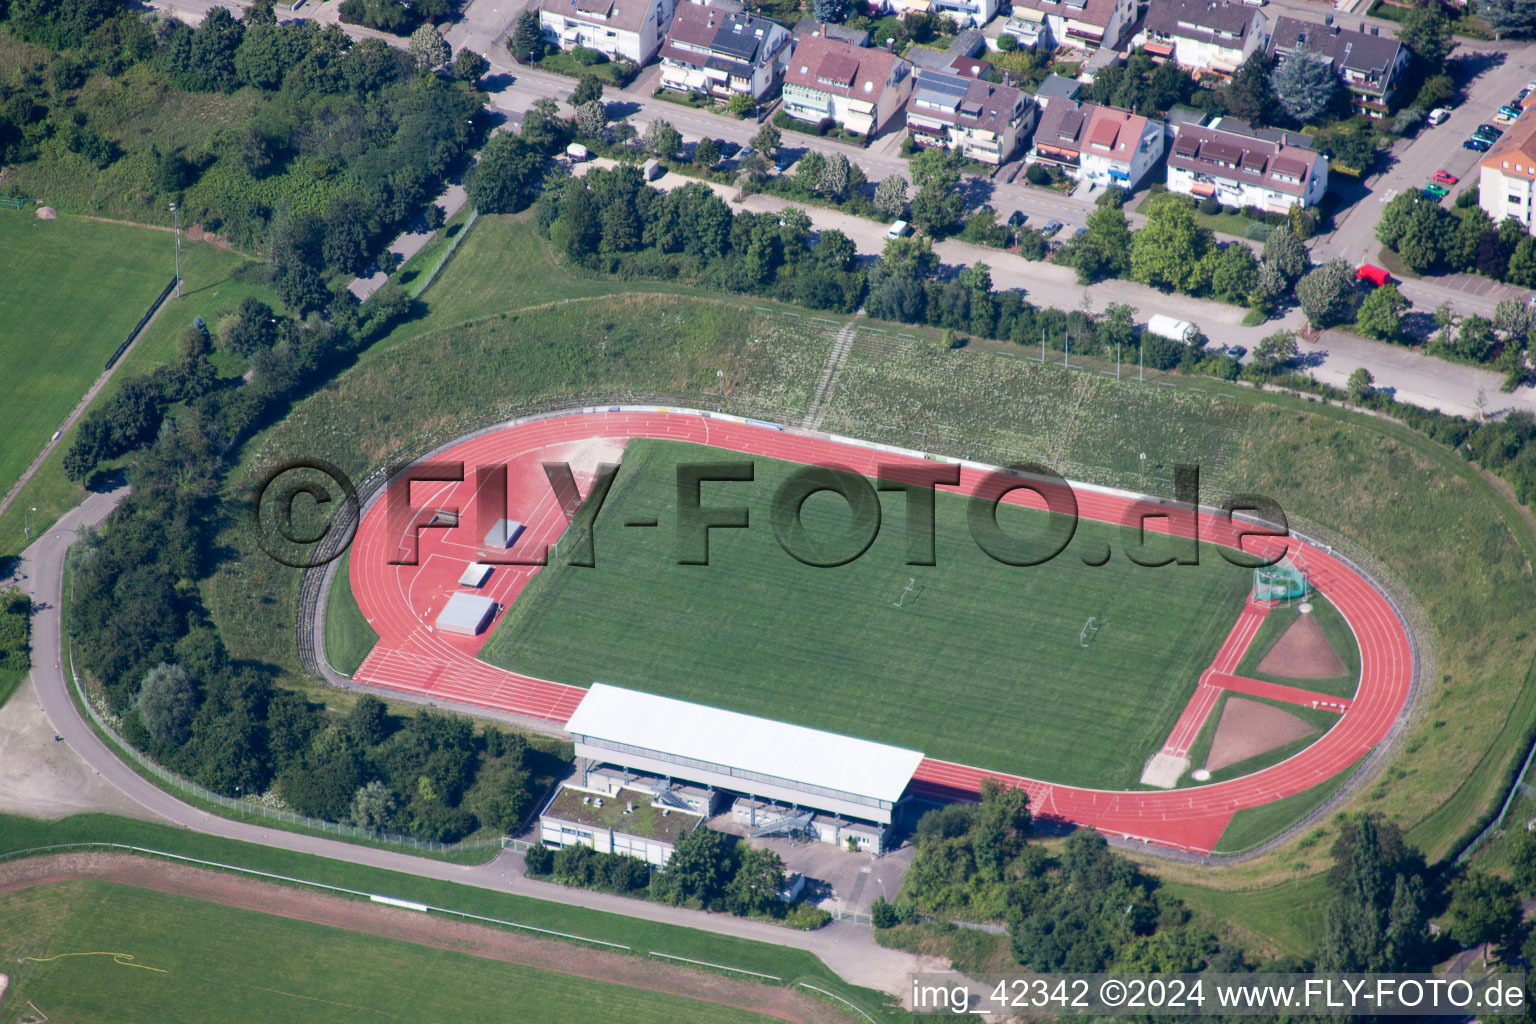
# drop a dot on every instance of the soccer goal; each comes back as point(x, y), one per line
point(909, 594)
point(1089, 631)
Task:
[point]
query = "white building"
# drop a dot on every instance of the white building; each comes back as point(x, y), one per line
point(1242, 169)
point(1082, 23)
point(770, 762)
point(1099, 144)
point(857, 88)
point(621, 29)
point(722, 53)
point(623, 820)
point(1507, 174)
point(1207, 36)
point(979, 120)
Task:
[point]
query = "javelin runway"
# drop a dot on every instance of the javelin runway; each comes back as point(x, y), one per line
point(402, 603)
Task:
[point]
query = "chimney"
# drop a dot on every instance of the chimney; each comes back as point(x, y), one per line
point(1327, 19)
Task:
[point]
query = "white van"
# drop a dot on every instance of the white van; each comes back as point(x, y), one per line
point(1438, 117)
point(900, 229)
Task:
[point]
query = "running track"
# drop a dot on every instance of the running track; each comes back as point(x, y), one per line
point(402, 602)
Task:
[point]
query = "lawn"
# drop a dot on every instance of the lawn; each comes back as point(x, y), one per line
point(981, 665)
point(193, 960)
point(1340, 637)
point(74, 289)
point(214, 280)
point(348, 637)
point(17, 833)
point(1254, 825)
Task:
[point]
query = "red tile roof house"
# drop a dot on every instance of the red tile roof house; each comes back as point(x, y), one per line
point(622, 29)
point(1241, 170)
point(977, 119)
point(721, 53)
point(1099, 144)
point(859, 89)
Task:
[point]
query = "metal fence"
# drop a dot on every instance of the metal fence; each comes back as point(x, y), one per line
point(241, 806)
point(143, 320)
point(12, 202)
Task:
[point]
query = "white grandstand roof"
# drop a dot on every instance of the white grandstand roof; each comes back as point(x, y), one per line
point(794, 753)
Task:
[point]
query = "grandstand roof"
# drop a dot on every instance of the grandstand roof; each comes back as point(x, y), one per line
point(793, 753)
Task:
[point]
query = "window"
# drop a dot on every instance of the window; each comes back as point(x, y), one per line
point(1515, 200)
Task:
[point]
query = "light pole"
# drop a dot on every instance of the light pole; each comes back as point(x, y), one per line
point(1143, 465)
point(26, 522)
point(178, 249)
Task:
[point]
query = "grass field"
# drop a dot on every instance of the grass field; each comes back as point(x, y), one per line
point(213, 962)
point(1254, 825)
point(1340, 637)
point(17, 833)
point(983, 665)
point(74, 289)
point(214, 280)
point(348, 637)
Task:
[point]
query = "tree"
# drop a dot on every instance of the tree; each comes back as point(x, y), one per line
point(588, 89)
point(1166, 252)
point(368, 720)
point(1287, 253)
point(166, 704)
point(592, 119)
point(504, 178)
point(527, 39)
point(834, 177)
point(428, 49)
point(706, 154)
point(1378, 916)
point(767, 140)
point(1522, 264)
point(1508, 17)
point(1275, 351)
point(755, 887)
point(543, 127)
point(539, 859)
point(1484, 908)
point(469, 66)
point(830, 10)
point(752, 168)
point(1514, 318)
point(740, 104)
point(1234, 274)
point(1361, 385)
point(372, 805)
point(891, 196)
point(911, 256)
point(250, 328)
point(699, 867)
point(1305, 84)
point(938, 203)
point(1103, 250)
point(1248, 95)
point(662, 140)
point(1426, 31)
point(1325, 293)
point(1380, 315)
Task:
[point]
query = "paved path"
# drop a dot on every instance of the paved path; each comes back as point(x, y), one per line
point(848, 949)
point(409, 243)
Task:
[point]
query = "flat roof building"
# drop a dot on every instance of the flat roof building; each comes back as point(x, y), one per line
point(475, 575)
point(468, 614)
point(758, 757)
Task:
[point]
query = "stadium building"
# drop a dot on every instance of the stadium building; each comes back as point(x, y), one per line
point(782, 778)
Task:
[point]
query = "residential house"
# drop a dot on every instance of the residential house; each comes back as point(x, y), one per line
point(621, 29)
point(858, 89)
point(1239, 168)
point(1206, 36)
point(977, 119)
point(1099, 144)
point(812, 27)
point(1368, 63)
point(1082, 23)
point(1055, 87)
point(1506, 185)
point(723, 53)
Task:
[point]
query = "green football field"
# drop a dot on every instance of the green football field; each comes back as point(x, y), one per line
point(199, 961)
point(74, 288)
point(982, 663)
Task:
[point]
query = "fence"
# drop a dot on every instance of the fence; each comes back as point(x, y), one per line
point(126, 749)
point(143, 320)
point(12, 202)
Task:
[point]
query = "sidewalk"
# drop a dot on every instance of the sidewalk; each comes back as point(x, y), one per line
point(409, 243)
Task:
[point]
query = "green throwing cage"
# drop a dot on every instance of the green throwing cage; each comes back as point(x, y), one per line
point(1280, 582)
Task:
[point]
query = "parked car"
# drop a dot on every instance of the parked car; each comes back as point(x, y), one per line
point(1475, 143)
point(1079, 232)
point(1051, 227)
point(1377, 276)
point(1438, 116)
point(1488, 131)
point(898, 229)
point(1236, 351)
point(1446, 178)
point(783, 163)
point(1510, 110)
point(1016, 219)
point(1436, 191)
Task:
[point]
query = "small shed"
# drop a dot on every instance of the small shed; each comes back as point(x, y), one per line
point(504, 534)
point(652, 169)
point(577, 152)
point(468, 614)
point(475, 575)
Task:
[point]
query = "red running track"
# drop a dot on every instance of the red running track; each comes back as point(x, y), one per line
point(402, 601)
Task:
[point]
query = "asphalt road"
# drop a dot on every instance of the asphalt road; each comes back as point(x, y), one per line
point(846, 948)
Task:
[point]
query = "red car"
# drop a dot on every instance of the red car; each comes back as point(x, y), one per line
point(1445, 178)
point(1372, 273)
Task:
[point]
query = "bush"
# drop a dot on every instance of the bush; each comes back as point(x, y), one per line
point(806, 917)
point(588, 57)
point(539, 860)
point(1210, 206)
point(883, 914)
point(1036, 174)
